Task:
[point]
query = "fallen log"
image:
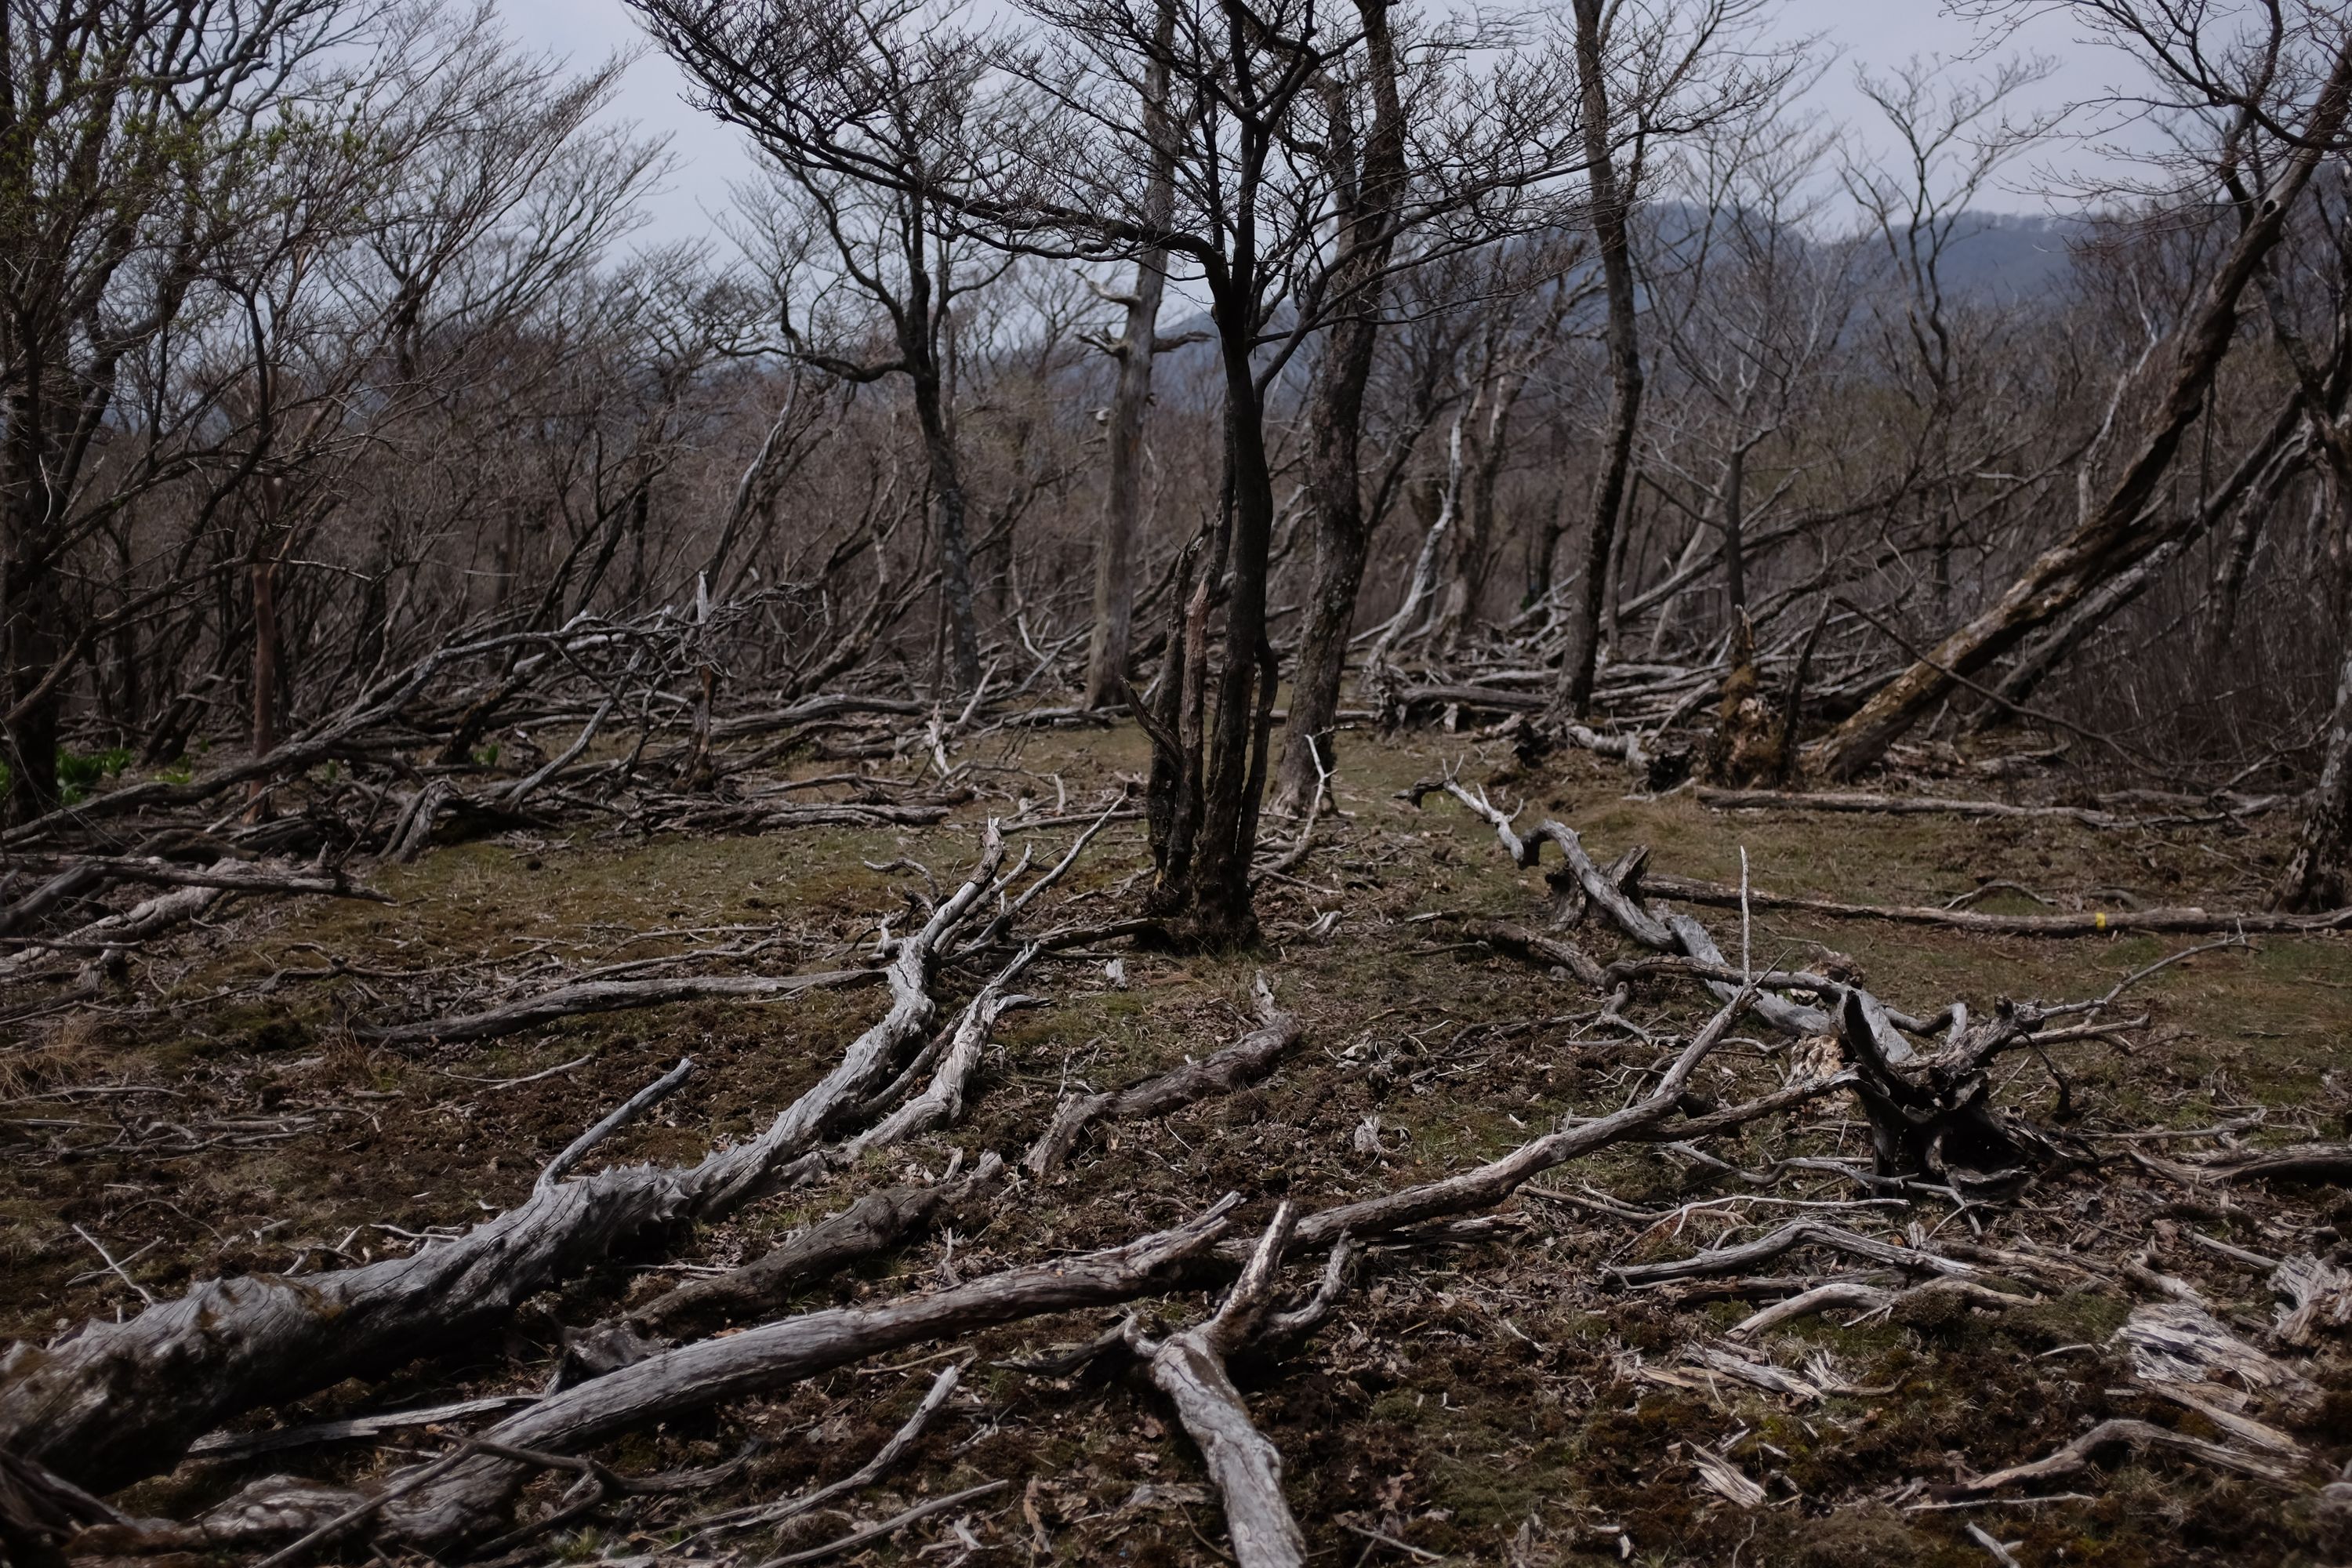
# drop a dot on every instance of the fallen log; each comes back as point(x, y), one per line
point(1245, 1061)
point(1469, 1191)
point(866, 1229)
point(1795, 1234)
point(240, 876)
point(2076, 1457)
point(1900, 806)
point(585, 996)
point(753, 816)
point(2100, 923)
point(141, 923)
point(354, 1428)
point(1540, 948)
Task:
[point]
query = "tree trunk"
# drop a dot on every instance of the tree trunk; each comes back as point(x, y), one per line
point(265, 637)
point(955, 545)
point(2272, 459)
point(2118, 532)
point(1465, 584)
point(1735, 553)
point(1611, 201)
point(2318, 874)
point(1336, 422)
point(1224, 913)
point(33, 643)
point(1107, 650)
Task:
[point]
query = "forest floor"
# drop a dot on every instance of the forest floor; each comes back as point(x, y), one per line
point(1494, 1398)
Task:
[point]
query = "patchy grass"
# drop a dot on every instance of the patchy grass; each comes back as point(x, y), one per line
point(1482, 1402)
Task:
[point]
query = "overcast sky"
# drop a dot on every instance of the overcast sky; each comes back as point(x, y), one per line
point(1877, 33)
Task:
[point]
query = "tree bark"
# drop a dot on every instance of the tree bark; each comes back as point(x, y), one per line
point(1335, 420)
point(1107, 650)
point(1612, 204)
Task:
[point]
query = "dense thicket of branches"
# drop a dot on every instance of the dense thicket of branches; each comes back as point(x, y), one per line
point(1544, 367)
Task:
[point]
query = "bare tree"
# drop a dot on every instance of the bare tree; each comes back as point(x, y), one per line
point(1644, 72)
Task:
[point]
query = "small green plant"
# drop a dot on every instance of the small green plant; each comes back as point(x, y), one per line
point(80, 772)
point(487, 757)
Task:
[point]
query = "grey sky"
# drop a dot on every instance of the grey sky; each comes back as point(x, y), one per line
point(1877, 33)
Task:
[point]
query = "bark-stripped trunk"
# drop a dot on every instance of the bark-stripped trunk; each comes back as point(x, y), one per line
point(2318, 874)
point(2119, 532)
point(1369, 199)
point(1611, 202)
point(1106, 651)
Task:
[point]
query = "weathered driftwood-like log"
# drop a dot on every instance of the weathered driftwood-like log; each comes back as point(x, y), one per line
point(120, 1401)
point(1899, 805)
point(1746, 1255)
point(352, 1428)
point(1467, 1191)
point(866, 1228)
point(1606, 892)
point(1544, 948)
point(2098, 923)
point(1243, 1062)
point(471, 1499)
point(768, 816)
point(142, 921)
point(1189, 1368)
point(2314, 1294)
point(2293, 1163)
point(1929, 1116)
point(2076, 1457)
point(586, 996)
point(1840, 1293)
point(941, 1103)
point(240, 876)
point(1613, 890)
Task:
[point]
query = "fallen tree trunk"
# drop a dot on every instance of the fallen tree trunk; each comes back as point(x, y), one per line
point(1488, 1184)
point(242, 876)
point(141, 923)
point(866, 1228)
point(1245, 1061)
point(1539, 947)
point(1899, 805)
point(2100, 923)
point(587, 996)
point(2122, 527)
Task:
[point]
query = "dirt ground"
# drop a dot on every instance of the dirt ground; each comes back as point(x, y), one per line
point(1490, 1400)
